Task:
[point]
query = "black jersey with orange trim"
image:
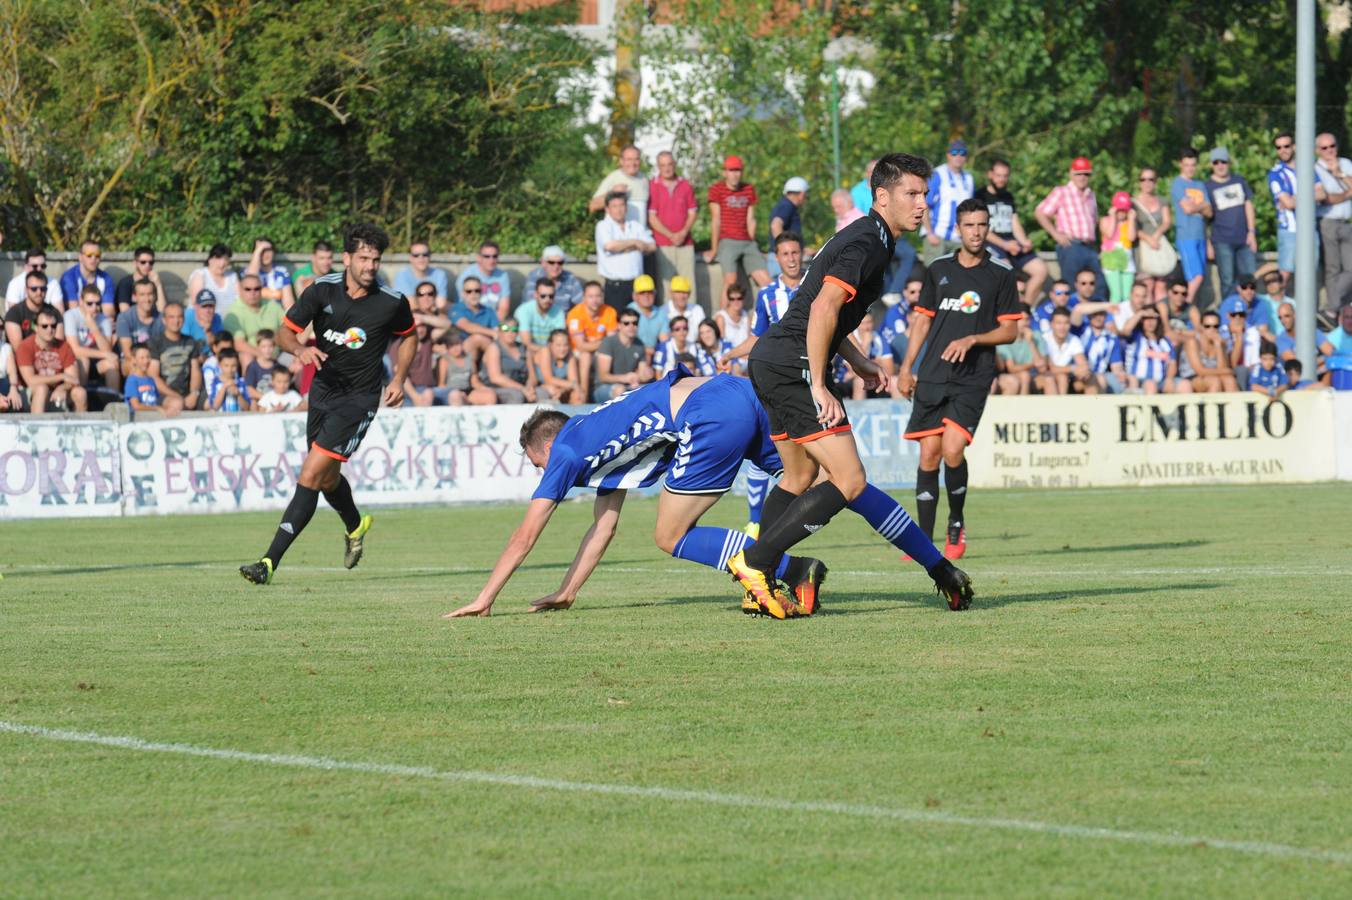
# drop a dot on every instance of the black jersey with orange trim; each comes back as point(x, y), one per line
point(961, 302)
point(354, 333)
point(855, 259)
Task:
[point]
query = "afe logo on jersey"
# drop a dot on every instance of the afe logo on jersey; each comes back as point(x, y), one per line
point(968, 303)
point(353, 338)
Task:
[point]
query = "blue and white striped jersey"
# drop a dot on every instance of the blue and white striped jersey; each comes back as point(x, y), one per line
point(626, 443)
point(1102, 350)
point(772, 301)
point(946, 190)
point(1281, 179)
point(1148, 360)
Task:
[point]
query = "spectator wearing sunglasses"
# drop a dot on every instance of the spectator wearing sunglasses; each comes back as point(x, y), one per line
point(420, 269)
point(494, 283)
point(423, 300)
point(567, 286)
point(21, 320)
point(34, 261)
point(89, 333)
point(1281, 181)
point(48, 369)
point(1233, 242)
point(541, 315)
point(143, 266)
point(949, 185)
point(1334, 193)
point(476, 322)
point(86, 271)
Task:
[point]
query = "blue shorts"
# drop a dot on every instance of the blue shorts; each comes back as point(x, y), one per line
point(1193, 254)
point(1016, 262)
point(1286, 251)
point(721, 423)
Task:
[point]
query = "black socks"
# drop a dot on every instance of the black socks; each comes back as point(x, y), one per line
point(955, 480)
point(340, 498)
point(298, 514)
point(776, 504)
point(927, 499)
point(806, 515)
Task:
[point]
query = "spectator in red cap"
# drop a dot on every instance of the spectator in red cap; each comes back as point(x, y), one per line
point(732, 224)
point(1117, 235)
point(1070, 215)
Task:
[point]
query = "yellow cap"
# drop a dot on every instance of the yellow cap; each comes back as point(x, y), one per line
point(644, 283)
point(680, 284)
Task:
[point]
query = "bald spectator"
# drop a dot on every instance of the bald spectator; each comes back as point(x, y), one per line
point(87, 271)
point(1333, 191)
point(420, 269)
point(842, 204)
point(627, 179)
point(671, 216)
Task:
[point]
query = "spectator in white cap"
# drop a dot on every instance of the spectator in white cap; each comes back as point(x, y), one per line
point(568, 287)
point(784, 217)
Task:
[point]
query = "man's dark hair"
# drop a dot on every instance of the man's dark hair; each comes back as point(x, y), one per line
point(1188, 153)
point(1062, 312)
point(141, 282)
point(322, 245)
point(269, 241)
point(542, 426)
point(1267, 347)
point(920, 279)
point(547, 282)
point(556, 332)
point(674, 319)
point(1284, 134)
point(423, 284)
point(687, 360)
point(1293, 365)
point(593, 284)
point(487, 245)
point(1178, 282)
point(999, 161)
point(365, 234)
point(1057, 281)
point(219, 251)
point(890, 169)
point(139, 345)
point(1246, 281)
point(616, 195)
point(181, 309)
point(971, 205)
point(142, 250)
point(1211, 314)
point(227, 353)
point(788, 237)
point(265, 334)
point(34, 254)
point(39, 276)
point(47, 312)
point(1086, 271)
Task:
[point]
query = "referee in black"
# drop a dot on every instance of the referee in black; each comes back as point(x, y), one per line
point(354, 318)
point(969, 304)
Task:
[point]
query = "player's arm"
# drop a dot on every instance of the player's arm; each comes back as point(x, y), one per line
point(741, 350)
point(394, 391)
point(823, 316)
point(605, 520)
point(294, 324)
point(919, 330)
point(519, 546)
point(1004, 333)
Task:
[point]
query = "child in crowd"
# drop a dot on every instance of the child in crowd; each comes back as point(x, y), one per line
point(211, 366)
point(258, 377)
point(140, 391)
point(230, 393)
point(1267, 377)
point(280, 397)
point(1294, 379)
point(457, 378)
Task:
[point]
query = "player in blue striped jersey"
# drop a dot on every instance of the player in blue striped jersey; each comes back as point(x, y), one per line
point(696, 432)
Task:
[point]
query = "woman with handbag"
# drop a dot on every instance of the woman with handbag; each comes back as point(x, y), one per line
point(1156, 257)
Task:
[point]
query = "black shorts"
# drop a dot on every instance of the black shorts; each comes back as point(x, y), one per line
point(786, 394)
point(337, 421)
point(935, 407)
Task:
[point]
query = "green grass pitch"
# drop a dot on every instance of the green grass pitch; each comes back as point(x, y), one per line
point(1169, 665)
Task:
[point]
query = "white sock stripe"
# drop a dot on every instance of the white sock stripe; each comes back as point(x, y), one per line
point(1193, 843)
point(725, 554)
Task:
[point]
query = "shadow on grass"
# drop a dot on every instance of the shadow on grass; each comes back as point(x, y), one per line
point(124, 567)
point(1112, 548)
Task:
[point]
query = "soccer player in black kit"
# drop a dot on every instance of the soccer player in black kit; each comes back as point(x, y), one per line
point(354, 318)
point(969, 304)
point(791, 372)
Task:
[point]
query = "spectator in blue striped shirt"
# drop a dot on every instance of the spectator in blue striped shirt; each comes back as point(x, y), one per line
point(1281, 181)
point(1105, 355)
point(949, 185)
point(1151, 367)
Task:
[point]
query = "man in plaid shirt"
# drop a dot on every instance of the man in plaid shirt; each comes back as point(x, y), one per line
point(1070, 215)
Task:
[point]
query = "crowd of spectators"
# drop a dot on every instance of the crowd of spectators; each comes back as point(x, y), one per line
point(1125, 315)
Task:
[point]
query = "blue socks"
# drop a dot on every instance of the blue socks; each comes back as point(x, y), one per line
point(713, 547)
point(891, 521)
point(757, 486)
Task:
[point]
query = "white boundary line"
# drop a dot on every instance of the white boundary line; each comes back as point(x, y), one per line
point(678, 795)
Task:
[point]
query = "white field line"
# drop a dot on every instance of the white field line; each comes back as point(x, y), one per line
point(679, 795)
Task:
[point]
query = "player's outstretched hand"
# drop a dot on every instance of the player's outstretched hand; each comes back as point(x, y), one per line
point(394, 394)
point(312, 356)
point(481, 610)
point(829, 411)
point(877, 381)
point(551, 601)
